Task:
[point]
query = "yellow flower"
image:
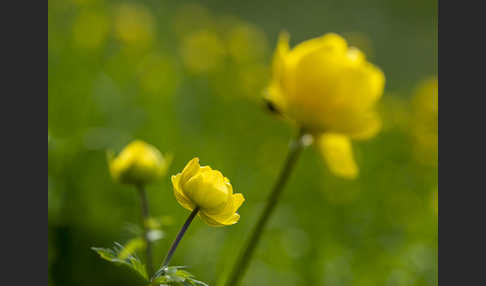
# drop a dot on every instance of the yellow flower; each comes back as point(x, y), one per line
point(138, 163)
point(208, 190)
point(330, 90)
point(203, 51)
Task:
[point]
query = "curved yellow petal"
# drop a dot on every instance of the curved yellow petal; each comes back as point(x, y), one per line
point(338, 154)
point(360, 84)
point(281, 52)
point(182, 199)
point(213, 222)
point(273, 93)
point(228, 184)
point(233, 219)
point(227, 215)
point(329, 42)
point(238, 200)
point(190, 170)
point(207, 189)
point(315, 100)
point(209, 220)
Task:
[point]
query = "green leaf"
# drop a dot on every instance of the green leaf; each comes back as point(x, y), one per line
point(131, 247)
point(121, 255)
point(175, 275)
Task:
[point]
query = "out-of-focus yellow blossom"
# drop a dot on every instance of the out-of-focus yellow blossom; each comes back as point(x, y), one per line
point(326, 86)
point(330, 90)
point(90, 29)
point(425, 107)
point(138, 163)
point(246, 43)
point(134, 25)
point(208, 190)
point(202, 51)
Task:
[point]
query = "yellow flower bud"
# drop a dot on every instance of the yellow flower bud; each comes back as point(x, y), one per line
point(208, 190)
point(138, 163)
point(326, 86)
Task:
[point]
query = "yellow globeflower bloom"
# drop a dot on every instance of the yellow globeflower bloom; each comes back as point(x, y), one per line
point(208, 190)
point(327, 87)
point(138, 163)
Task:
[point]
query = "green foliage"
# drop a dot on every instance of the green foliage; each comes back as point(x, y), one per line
point(175, 275)
point(122, 255)
point(380, 229)
point(132, 246)
point(125, 255)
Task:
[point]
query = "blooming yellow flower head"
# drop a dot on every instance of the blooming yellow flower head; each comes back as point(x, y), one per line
point(326, 86)
point(208, 190)
point(138, 163)
point(330, 90)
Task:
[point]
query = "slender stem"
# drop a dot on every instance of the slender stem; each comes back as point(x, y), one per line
point(179, 237)
point(145, 217)
point(240, 266)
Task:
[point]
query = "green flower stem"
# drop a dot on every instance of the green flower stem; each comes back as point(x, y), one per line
point(243, 261)
point(145, 217)
point(179, 237)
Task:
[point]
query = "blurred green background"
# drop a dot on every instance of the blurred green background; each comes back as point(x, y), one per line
point(187, 77)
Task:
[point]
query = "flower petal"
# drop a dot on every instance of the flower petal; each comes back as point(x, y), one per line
point(338, 154)
point(207, 219)
point(212, 222)
point(234, 219)
point(227, 215)
point(330, 42)
point(273, 92)
point(182, 199)
point(190, 170)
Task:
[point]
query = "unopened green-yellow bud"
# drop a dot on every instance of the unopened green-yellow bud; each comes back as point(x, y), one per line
point(138, 163)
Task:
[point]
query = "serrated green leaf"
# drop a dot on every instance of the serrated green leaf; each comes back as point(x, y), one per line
point(184, 273)
point(119, 255)
point(131, 247)
point(176, 275)
point(105, 253)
